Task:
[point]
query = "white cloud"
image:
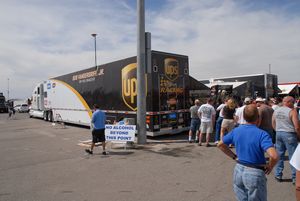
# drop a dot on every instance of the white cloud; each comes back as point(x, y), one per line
point(49, 39)
point(42, 39)
point(226, 40)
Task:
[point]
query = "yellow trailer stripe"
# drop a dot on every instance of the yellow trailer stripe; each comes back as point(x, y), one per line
point(78, 95)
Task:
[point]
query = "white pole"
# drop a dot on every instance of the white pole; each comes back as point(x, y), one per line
point(141, 65)
point(7, 88)
point(95, 35)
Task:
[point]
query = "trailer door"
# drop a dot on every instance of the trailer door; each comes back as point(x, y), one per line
point(171, 101)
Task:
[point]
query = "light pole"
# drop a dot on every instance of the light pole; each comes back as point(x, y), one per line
point(141, 64)
point(7, 88)
point(95, 35)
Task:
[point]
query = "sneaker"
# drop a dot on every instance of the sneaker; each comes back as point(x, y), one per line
point(190, 141)
point(89, 151)
point(207, 145)
point(199, 144)
point(104, 153)
point(279, 179)
point(216, 142)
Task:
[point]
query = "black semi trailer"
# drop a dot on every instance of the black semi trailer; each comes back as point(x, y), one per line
point(113, 86)
point(263, 85)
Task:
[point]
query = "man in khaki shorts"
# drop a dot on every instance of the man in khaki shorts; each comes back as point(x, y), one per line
point(207, 114)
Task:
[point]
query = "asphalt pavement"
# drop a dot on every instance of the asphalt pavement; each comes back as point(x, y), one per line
point(45, 162)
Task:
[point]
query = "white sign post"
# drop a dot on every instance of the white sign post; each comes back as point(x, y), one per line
point(120, 133)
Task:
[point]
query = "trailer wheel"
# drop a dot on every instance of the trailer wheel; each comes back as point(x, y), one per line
point(50, 116)
point(45, 115)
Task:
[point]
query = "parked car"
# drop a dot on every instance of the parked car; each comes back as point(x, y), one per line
point(17, 107)
point(22, 108)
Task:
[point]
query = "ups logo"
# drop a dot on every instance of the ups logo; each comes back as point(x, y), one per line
point(171, 68)
point(129, 86)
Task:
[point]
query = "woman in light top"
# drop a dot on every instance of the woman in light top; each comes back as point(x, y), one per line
point(228, 122)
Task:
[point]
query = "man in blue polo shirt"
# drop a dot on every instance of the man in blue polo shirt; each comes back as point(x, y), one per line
point(249, 180)
point(98, 129)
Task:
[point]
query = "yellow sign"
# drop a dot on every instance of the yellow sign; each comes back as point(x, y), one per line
point(171, 68)
point(129, 86)
point(167, 86)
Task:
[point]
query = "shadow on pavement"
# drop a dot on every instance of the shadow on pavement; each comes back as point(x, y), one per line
point(120, 153)
point(287, 180)
point(167, 151)
point(176, 138)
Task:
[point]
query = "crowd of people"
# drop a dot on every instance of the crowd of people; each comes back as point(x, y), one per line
point(257, 127)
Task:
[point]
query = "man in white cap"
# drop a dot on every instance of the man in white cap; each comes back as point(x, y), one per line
point(239, 114)
point(207, 114)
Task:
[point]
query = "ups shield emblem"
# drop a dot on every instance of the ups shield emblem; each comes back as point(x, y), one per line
point(171, 69)
point(129, 86)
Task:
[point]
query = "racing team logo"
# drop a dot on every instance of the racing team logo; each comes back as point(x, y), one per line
point(171, 69)
point(129, 86)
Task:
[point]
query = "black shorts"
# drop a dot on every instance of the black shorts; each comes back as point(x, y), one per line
point(98, 135)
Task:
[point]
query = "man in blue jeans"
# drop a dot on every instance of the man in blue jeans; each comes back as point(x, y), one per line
point(249, 177)
point(195, 121)
point(286, 124)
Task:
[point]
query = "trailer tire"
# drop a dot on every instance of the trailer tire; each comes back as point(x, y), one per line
point(45, 115)
point(50, 116)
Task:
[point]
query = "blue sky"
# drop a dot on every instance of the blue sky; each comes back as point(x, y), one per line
point(43, 38)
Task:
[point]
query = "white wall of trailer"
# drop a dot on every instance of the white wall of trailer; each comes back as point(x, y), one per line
point(34, 99)
point(66, 103)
